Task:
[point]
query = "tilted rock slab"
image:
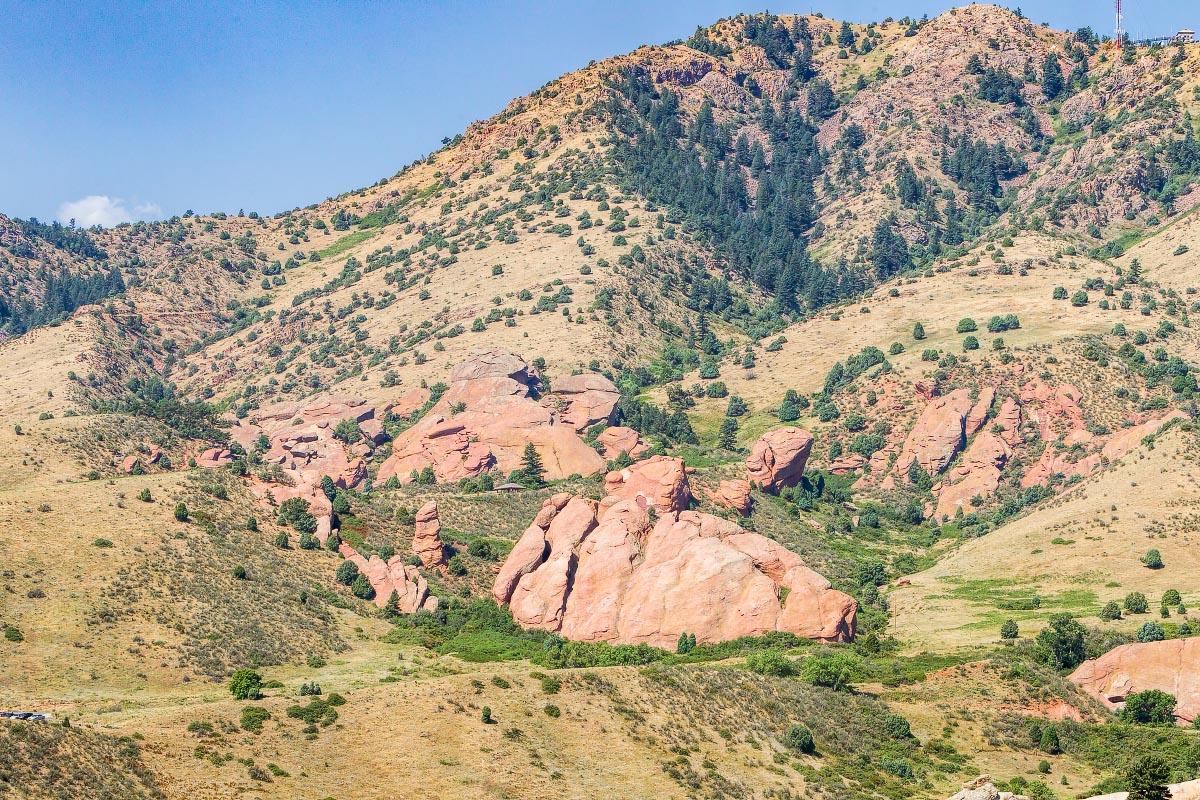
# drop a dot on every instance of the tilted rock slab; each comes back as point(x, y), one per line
point(1172, 666)
point(603, 571)
point(659, 482)
point(393, 575)
point(427, 540)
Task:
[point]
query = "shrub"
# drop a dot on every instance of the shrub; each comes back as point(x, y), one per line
point(181, 512)
point(918, 332)
point(244, 684)
point(281, 540)
point(1153, 559)
point(347, 571)
point(362, 588)
point(13, 634)
point(966, 325)
point(1151, 632)
point(1151, 707)
point(1111, 611)
point(895, 349)
point(799, 738)
point(102, 543)
point(1061, 642)
point(455, 566)
point(896, 726)
point(970, 343)
point(1009, 630)
point(1060, 293)
point(239, 573)
point(1080, 298)
point(253, 718)
point(770, 662)
point(486, 716)
point(1136, 603)
point(1171, 598)
point(1147, 779)
point(144, 495)
point(833, 672)
point(552, 711)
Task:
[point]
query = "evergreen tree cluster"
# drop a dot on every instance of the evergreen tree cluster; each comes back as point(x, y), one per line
point(64, 291)
point(977, 168)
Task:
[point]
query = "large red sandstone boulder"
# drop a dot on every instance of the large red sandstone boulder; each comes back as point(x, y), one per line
point(733, 494)
point(427, 542)
point(617, 440)
point(500, 414)
point(938, 435)
point(605, 573)
point(659, 482)
point(778, 458)
point(1172, 666)
point(590, 398)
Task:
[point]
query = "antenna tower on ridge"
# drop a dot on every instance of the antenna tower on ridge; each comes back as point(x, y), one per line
point(1119, 33)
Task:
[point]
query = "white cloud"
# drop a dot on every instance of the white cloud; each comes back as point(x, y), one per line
point(100, 209)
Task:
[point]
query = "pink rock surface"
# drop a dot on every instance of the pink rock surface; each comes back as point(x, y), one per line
point(590, 398)
point(426, 542)
point(977, 475)
point(497, 391)
point(938, 435)
point(778, 458)
point(979, 412)
point(604, 573)
point(1169, 666)
point(734, 494)
point(659, 482)
point(617, 440)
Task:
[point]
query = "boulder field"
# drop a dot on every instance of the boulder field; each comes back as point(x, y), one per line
point(631, 570)
point(1170, 666)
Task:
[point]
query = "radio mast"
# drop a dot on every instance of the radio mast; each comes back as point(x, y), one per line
point(1119, 32)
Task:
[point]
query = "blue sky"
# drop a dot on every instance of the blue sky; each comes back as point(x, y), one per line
point(119, 110)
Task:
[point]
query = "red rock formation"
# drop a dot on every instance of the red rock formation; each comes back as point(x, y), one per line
point(938, 435)
point(778, 458)
point(617, 440)
point(1169, 665)
point(1124, 441)
point(659, 481)
point(497, 391)
point(978, 474)
point(979, 412)
point(847, 464)
point(412, 592)
point(427, 542)
point(590, 399)
point(604, 573)
point(734, 494)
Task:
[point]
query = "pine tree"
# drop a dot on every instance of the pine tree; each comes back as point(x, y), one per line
point(728, 435)
point(918, 331)
point(531, 466)
point(1052, 77)
point(845, 36)
point(1147, 779)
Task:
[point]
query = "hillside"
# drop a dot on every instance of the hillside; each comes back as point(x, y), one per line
point(719, 394)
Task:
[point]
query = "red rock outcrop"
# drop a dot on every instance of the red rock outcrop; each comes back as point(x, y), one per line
point(500, 413)
point(617, 440)
point(590, 399)
point(734, 494)
point(778, 458)
point(1069, 462)
point(603, 572)
point(977, 475)
point(659, 482)
point(1169, 665)
point(393, 575)
point(426, 542)
point(938, 435)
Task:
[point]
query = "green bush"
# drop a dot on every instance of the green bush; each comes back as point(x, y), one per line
point(770, 662)
point(799, 738)
point(1151, 707)
point(897, 727)
point(244, 684)
point(1136, 603)
point(966, 325)
point(181, 512)
point(253, 718)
